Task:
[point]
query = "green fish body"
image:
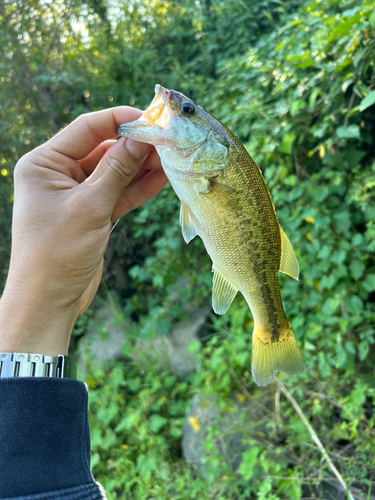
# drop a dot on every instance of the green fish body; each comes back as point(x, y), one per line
point(225, 200)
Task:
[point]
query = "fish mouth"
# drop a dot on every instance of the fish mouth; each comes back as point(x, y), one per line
point(164, 98)
point(156, 109)
point(155, 116)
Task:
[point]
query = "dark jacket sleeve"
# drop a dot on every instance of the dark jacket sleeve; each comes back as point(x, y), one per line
point(45, 440)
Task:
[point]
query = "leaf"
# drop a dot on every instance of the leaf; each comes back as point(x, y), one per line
point(344, 27)
point(324, 252)
point(327, 282)
point(357, 240)
point(320, 131)
point(350, 347)
point(369, 283)
point(349, 132)
point(321, 194)
point(367, 101)
point(249, 462)
point(134, 384)
point(353, 157)
point(338, 257)
point(314, 94)
point(297, 106)
point(176, 432)
point(330, 306)
point(194, 347)
point(359, 56)
point(363, 349)
point(356, 269)
point(341, 358)
point(286, 146)
point(146, 465)
point(357, 304)
point(156, 422)
point(346, 84)
point(243, 358)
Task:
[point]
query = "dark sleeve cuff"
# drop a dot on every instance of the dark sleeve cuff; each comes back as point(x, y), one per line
point(45, 439)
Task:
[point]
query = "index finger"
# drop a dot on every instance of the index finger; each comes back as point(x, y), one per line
point(83, 135)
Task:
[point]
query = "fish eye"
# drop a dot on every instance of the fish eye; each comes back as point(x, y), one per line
point(187, 108)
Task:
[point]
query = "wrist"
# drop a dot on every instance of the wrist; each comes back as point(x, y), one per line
point(30, 322)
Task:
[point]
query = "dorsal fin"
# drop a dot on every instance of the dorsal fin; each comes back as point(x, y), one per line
point(223, 292)
point(188, 227)
point(288, 261)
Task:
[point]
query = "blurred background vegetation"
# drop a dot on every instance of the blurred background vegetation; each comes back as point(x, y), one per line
point(295, 81)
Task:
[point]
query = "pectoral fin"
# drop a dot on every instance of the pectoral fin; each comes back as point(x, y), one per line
point(188, 225)
point(223, 292)
point(288, 262)
point(218, 193)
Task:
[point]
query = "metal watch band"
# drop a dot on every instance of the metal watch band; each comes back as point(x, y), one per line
point(23, 364)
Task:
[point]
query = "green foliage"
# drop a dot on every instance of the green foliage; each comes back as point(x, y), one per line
point(136, 421)
point(294, 80)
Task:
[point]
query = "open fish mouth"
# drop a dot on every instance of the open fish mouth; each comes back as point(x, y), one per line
point(159, 113)
point(157, 117)
point(164, 104)
point(156, 109)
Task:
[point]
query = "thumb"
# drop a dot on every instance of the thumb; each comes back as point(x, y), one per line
point(116, 169)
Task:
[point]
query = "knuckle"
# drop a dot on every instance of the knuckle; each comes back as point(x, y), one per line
point(24, 168)
point(32, 163)
point(21, 167)
point(121, 169)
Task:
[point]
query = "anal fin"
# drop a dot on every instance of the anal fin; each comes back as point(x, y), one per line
point(223, 292)
point(187, 222)
point(288, 261)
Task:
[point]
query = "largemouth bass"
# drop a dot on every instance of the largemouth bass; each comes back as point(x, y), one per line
point(225, 200)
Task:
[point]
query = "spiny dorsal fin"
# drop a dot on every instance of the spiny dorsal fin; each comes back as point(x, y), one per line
point(223, 292)
point(288, 262)
point(189, 230)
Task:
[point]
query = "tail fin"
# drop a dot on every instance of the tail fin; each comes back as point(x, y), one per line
point(270, 357)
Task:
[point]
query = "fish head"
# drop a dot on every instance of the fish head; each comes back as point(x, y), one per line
point(180, 130)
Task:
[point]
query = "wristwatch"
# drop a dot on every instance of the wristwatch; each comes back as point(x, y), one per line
point(23, 364)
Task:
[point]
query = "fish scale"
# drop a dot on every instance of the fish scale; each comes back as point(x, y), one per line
point(225, 200)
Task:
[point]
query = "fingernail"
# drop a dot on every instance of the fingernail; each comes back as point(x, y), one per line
point(138, 149)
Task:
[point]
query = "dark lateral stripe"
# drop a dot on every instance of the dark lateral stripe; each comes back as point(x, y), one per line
point(270, 291)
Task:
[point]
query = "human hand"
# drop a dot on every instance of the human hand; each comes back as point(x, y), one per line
point(68, 192)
